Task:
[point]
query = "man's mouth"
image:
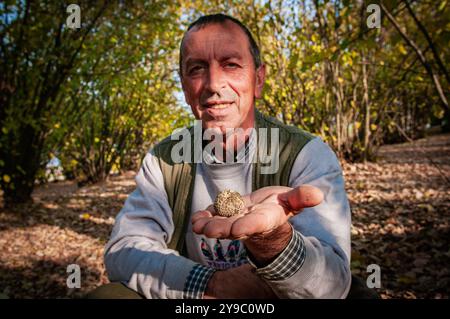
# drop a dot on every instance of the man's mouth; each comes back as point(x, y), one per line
point(220, 106)
point(217, 104)
point(219, 109)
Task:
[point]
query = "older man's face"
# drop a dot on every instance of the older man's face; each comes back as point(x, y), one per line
point(219, 79)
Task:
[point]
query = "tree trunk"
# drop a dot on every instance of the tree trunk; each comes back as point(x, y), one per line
point(367, 112)
point(20, 194)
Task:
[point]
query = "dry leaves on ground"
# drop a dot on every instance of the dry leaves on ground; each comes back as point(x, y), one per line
point(401, 213)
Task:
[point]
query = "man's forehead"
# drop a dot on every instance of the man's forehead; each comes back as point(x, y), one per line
point(229, 36)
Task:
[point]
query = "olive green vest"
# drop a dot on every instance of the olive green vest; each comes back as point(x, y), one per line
point(179, 178)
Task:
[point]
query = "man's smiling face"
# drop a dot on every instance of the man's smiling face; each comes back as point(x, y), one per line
point(219, 79)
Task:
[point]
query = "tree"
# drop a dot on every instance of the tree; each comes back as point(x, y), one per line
point(38, 52)
point(422, 57)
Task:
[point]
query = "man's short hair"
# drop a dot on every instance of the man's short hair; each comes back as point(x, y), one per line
point(221, 19)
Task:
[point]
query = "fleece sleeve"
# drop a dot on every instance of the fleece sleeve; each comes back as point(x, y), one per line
point(316, 262)
point(137, 252)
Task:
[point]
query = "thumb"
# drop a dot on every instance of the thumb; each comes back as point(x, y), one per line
point(302, 197)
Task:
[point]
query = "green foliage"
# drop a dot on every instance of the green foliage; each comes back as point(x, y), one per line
point(129, 92)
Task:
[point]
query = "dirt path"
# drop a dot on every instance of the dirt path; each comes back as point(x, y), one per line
point(400, 205)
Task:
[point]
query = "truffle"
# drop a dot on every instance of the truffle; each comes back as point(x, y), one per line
point(229, 203)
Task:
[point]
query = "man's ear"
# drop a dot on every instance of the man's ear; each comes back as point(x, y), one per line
point(260, 79)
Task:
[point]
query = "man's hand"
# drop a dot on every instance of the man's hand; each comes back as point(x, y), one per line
point(263, 224)
point(266, 210)
point(237, 283)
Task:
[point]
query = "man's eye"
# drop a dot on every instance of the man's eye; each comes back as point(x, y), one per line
point(195, 69)
point(231, 65)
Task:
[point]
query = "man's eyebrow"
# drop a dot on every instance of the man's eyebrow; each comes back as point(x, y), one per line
point(231, 55)
point(226, 56)
point(194, 60)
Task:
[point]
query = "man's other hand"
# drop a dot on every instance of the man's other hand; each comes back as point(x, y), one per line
point(238, 283)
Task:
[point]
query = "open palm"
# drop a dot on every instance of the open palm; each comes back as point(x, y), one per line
point(265, 210)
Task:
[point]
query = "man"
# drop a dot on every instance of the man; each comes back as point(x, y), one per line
point(292, 239)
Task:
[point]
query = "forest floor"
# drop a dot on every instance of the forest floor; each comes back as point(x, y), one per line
point(400, 215)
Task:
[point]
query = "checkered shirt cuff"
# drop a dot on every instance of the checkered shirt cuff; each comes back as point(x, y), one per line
point(196, 282)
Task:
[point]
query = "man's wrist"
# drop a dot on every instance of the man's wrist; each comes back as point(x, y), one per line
point(210, 291)
point(264, 248)
point(287, 263)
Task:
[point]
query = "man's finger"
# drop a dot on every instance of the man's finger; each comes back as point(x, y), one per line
point(200, 214)
point(219, 227)
point(199, 225)
point(261, 194)
point(302, 196)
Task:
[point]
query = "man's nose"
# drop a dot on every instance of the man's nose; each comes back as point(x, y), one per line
point(215, 81)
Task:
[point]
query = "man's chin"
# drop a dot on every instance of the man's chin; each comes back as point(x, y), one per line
point(218, 128)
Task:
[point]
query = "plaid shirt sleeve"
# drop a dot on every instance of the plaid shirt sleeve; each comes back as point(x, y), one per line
point(195, 285)
point(288, 262)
